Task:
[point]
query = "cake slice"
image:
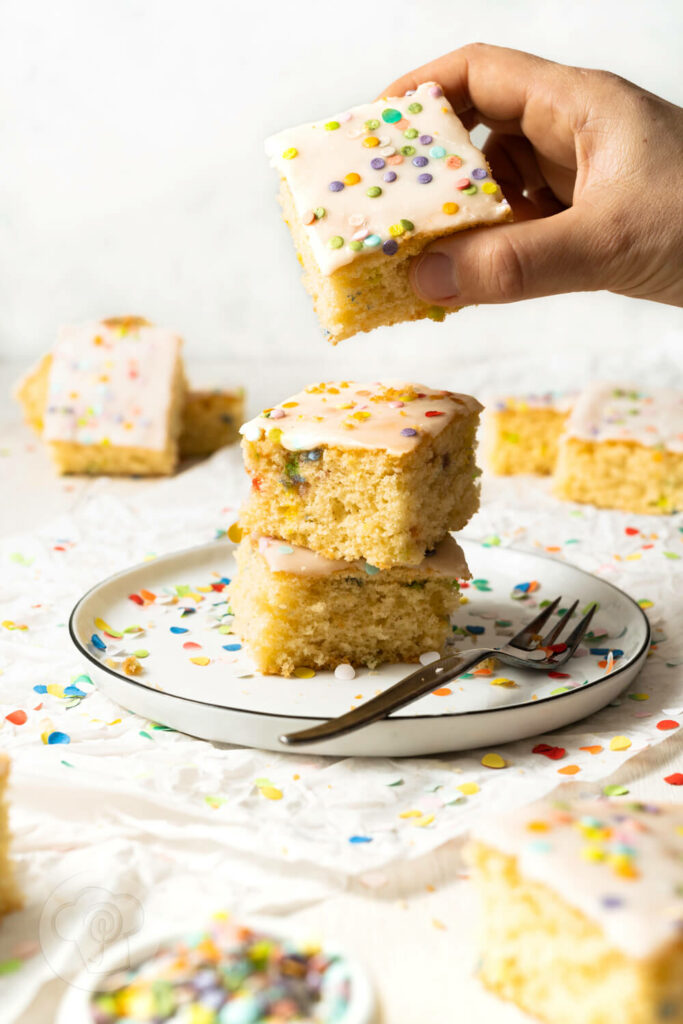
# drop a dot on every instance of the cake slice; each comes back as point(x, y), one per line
point(582, 910)
point(10, 898)
point(109, 397)
point(211, 420)
point(294, 608)
point(364, 191)
point(522, 433)
point(374, 471)
point(623, 448)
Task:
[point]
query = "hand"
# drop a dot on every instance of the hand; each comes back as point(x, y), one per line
point(592, 166)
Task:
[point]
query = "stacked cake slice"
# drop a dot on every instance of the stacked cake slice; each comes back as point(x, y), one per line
point(346, 555)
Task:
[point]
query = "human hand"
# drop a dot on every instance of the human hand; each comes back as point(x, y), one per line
point(592, 166)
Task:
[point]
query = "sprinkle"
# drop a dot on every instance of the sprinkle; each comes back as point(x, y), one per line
point(98, 642)
point(377, 163)
point(503, 681)
point(478, 173)
point(179, 629)
point(443, 691)
point(424, 179)
point(290, 153)
point(437, 313)
point(470, 788)
point(396, 230)
point(135, 598)
point(453, 162)
point(201, 661)
point(420, 161)
point(409, 432)
point(232, 647)
point(336, 186)
point(415, 108)
point(569, 769)
point(436, 91)
point(390, 247)
point(619, 743)
point(235, 533)
point(410, 133)
point(304, 673)
point(391, 116)
point(371, 570)
point(470, 191)
point(437, 152)
point(344, 671)
point(270, 792)
point(319, 212)
point(450, 208)
point(426, 140)
point(372, 241)
point(493, 761)
point(372, 124)
point(390, 176)
point(332, 126)
point(360, 839)
point(595, 749)
point(489, 187)
point(371, 141)
point(674, 780)
point(407, 225)
point(667, 723)
point(374, 191)
point(355, 245)
point(462, 183)
point(352, 178)
point(17, 717)
point(408, 150)
point(554, 753)
point(336, 242)
point(58, 737)
point(613, 789)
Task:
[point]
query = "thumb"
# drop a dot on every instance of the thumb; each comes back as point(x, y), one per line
point(504, 264)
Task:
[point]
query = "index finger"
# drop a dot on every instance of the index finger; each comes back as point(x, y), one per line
point(491, 84)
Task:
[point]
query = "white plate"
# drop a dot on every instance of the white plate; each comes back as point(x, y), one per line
point(74, 1008)
point(227, 700)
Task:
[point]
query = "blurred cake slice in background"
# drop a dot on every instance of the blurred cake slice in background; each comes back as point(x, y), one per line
point(10, 898)
point(623, 448)
point(582, 910)
point(211, 420)
point(521, 433)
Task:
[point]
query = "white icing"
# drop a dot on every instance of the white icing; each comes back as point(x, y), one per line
point(111, 383)
point(447, 561)
point(624, 412)
point(634, 891)
point(324, 156)
point(389, 415)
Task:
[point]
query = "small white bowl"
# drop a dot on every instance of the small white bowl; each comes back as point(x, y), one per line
point(75, 1005)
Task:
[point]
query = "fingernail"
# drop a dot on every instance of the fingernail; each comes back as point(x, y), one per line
point(434, 277)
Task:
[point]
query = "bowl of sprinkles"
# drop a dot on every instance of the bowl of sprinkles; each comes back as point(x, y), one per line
point(226, 973)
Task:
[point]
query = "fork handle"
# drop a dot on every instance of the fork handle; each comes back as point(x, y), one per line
point(423, 680)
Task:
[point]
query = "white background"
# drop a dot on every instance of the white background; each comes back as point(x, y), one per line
point(133, 179)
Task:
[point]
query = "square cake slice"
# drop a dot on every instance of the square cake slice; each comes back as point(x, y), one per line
point(582, 910)
point(10, 898)
point(109, 398)
point(364, 191)
point(211, 420)
point(293, 608)
point(521, 434)
point(375, 471)
point(623, 448)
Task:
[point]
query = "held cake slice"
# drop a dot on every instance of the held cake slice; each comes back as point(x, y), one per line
point(294, 608)
point(364, 191)
point(623, 448)
point(582, 910)
point(522, 433)
point(374, 471)
point(109, 398)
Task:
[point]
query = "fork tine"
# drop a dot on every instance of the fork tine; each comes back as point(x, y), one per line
point(577, 634)
point(532, 629)
point(554, 633)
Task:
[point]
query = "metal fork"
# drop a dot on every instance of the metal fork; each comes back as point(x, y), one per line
point(527, 649)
